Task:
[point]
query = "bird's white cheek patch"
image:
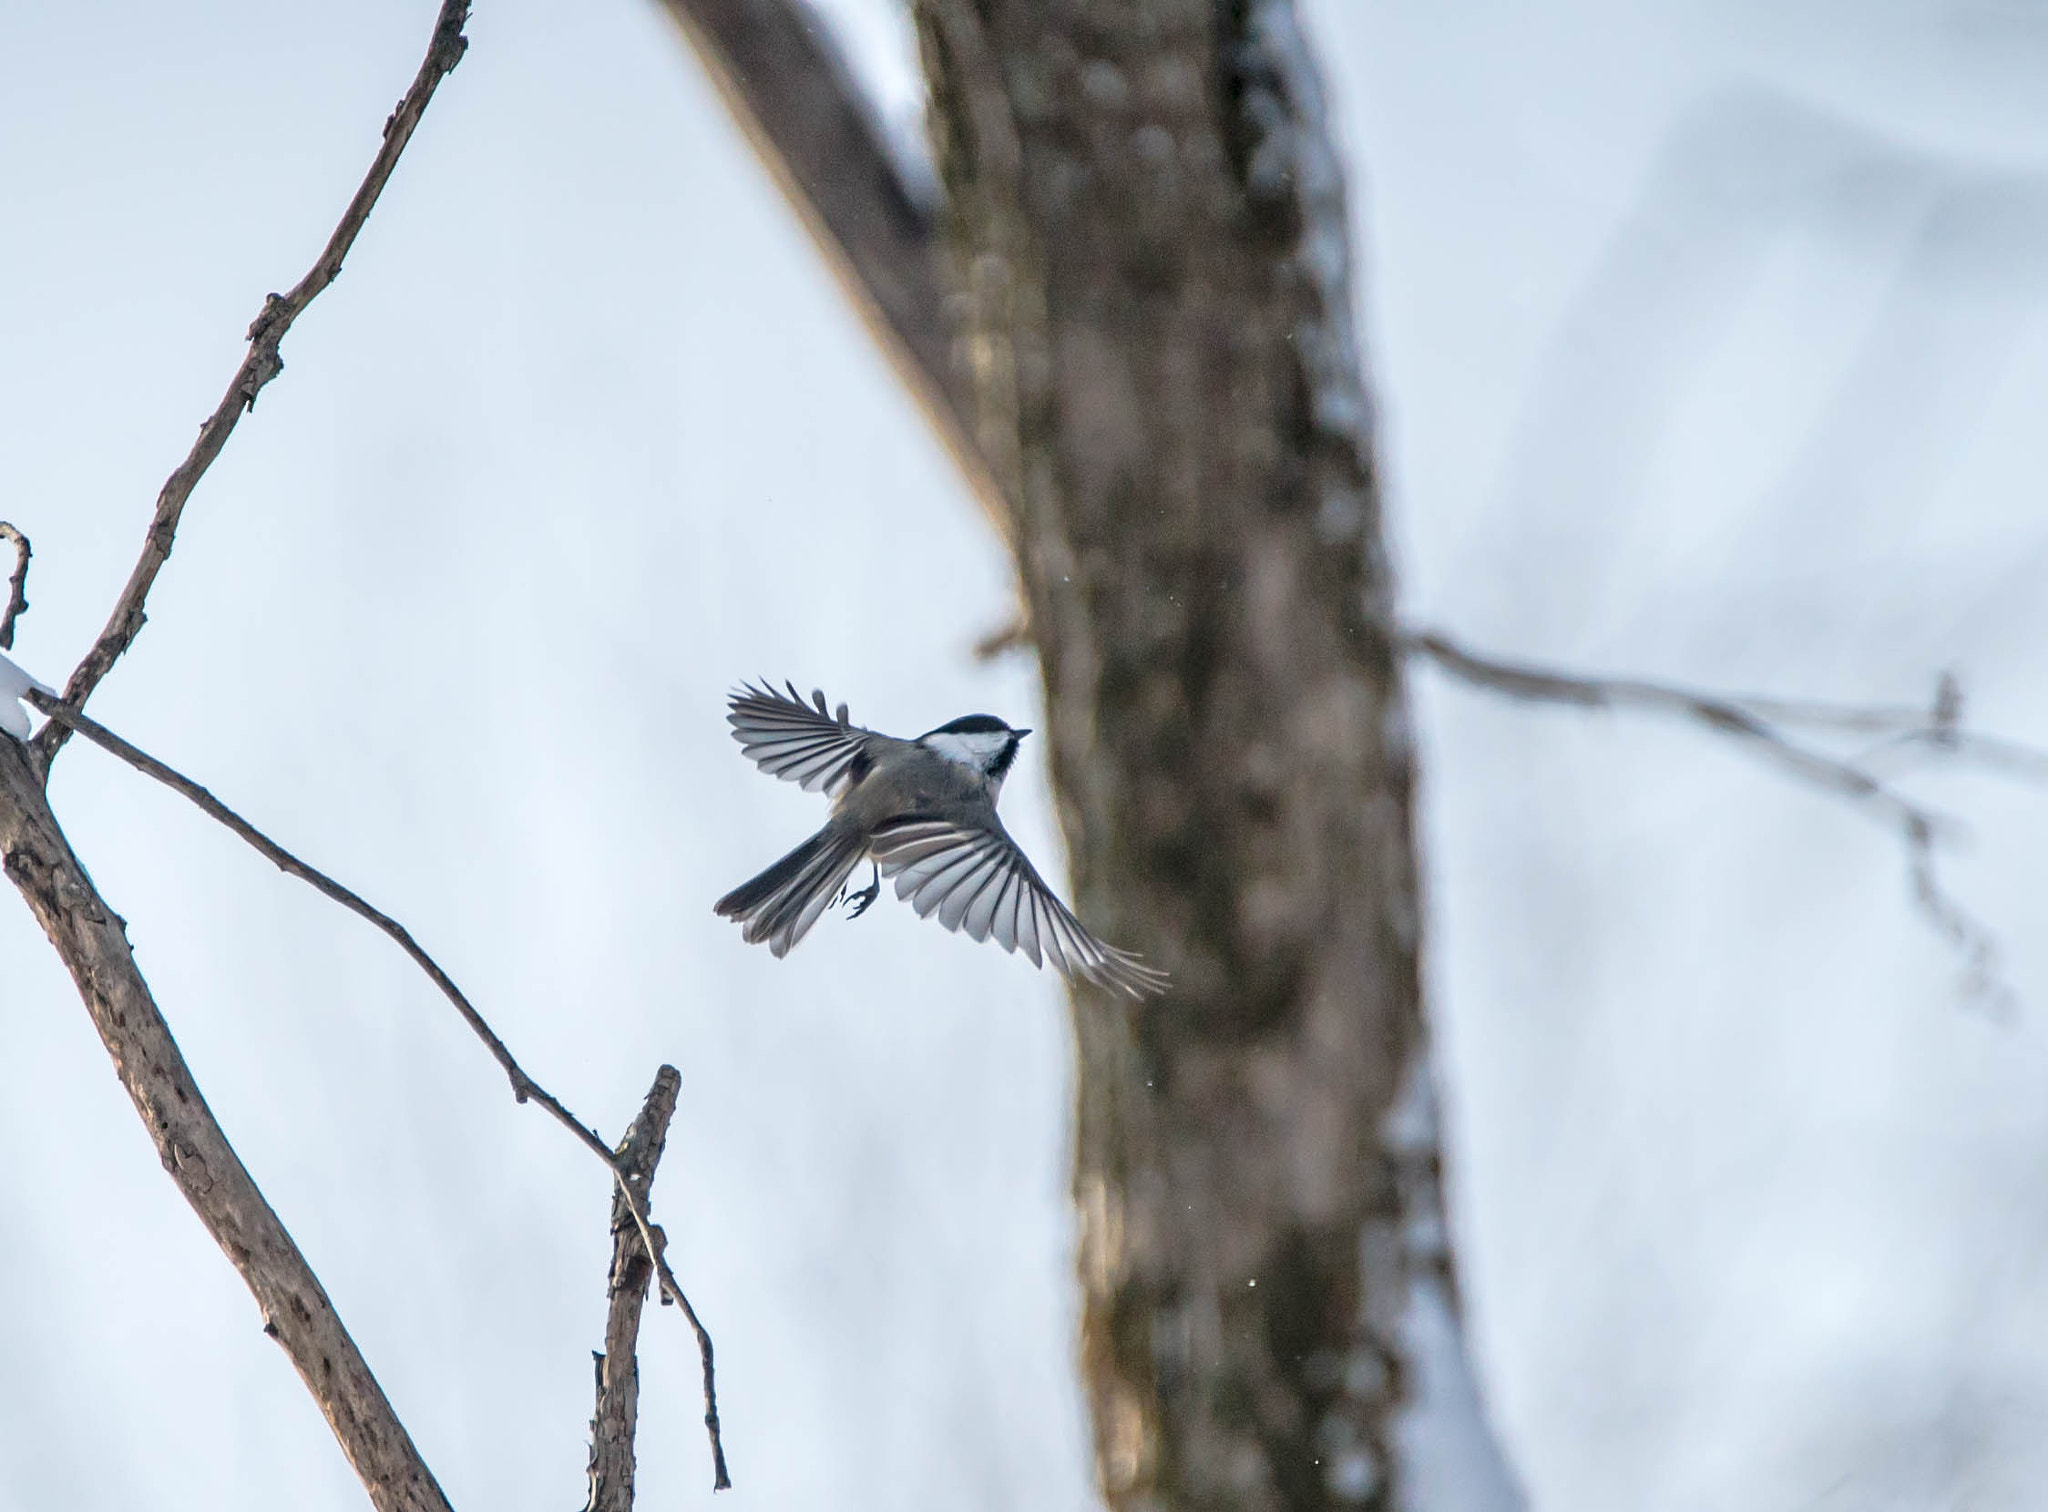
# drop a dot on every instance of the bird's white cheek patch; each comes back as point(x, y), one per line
point(975, 750)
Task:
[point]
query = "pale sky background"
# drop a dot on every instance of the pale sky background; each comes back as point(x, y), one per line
point(1708, 344)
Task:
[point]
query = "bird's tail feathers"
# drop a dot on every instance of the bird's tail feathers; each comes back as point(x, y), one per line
point(782, 904)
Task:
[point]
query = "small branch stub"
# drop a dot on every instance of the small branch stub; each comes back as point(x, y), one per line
point(17, 585)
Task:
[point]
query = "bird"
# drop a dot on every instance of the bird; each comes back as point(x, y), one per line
point(924, 812)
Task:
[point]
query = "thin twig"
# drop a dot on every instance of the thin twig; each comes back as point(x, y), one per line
point(1908, 730)
point(259, 366)
point(2020, 762)
point(198, 1158)
point(1753, 721)
point(524, 1087)
point(1717, 713)
point(17, 585)
point(1944, 716)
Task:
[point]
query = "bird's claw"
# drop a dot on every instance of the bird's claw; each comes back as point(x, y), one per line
point(863, 900)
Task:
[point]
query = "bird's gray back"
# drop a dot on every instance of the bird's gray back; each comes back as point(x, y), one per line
point(908, 779)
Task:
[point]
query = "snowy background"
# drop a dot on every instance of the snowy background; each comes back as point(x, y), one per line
point(1708, 343)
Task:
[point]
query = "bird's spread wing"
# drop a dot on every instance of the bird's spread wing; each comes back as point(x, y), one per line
point(976, 879)
point(800, 742)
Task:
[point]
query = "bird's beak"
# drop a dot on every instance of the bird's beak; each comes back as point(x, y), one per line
point(1022, 733)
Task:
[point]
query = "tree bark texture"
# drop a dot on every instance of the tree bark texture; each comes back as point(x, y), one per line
point(1150, 237)
point(93, 942)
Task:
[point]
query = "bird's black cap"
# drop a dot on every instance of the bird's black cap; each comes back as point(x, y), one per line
point(977, 724)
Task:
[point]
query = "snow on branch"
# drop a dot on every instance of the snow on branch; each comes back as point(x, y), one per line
point(16, 685)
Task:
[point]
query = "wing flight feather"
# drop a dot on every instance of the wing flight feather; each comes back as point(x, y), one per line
point(978, 881)
point(798, 742)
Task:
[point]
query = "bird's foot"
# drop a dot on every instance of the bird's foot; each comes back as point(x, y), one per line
point(863, 900)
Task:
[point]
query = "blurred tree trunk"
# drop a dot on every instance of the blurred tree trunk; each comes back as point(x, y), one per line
point(1133, 329)
point(1151, 259)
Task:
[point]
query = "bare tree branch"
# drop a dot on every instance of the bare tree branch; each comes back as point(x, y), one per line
point(91, 939)
point(524, 1087)
point(1754, 721)
point(618, 1368)
point(258, 367)
point(1860, 719)
point(17, 585)
point(1719, 713)
point(93, 943)
point(1909, 731)
point(807, 119)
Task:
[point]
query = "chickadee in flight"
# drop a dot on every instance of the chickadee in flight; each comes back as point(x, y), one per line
point(924, 811)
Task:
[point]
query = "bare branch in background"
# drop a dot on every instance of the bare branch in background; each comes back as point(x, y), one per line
point(1014, 635)
point(524, 1087)
point(1722, 714)
point(17, 585)
point(1907, 731)
point(807, 119)
point(258, 367)
point(1754, 721)
point(618, 1368)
